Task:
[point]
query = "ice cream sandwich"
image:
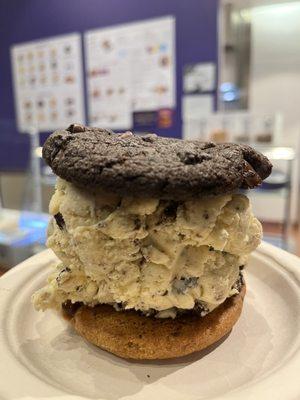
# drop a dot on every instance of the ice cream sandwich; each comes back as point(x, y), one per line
point(152, 235)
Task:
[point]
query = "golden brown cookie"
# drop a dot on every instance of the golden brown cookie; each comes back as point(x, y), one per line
point(130, 335)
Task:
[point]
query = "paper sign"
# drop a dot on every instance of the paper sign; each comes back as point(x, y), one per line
point(130, 68)
point(199, 78)
point(47, 76)
point(195, 106)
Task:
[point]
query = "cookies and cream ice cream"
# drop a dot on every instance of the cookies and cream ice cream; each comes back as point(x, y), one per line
point(157, 256)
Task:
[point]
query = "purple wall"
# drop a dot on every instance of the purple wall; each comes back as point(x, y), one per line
point(25, 20)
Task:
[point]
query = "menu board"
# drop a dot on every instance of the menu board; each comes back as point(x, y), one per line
point(130, 68)
point(48, 87)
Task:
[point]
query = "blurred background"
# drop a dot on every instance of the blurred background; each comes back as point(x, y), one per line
point(220, 70)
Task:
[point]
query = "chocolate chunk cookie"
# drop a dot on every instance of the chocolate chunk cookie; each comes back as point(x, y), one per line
point(152, 166)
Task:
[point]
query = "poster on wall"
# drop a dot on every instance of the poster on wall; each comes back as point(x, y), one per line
point(196, 112)
point(196, 106)
point(199, 78)
point(48, 88)
point(130, 68)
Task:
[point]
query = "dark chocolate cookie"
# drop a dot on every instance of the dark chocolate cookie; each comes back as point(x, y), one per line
point(152, 166)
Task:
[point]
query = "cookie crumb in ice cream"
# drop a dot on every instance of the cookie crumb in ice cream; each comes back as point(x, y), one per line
point(59, 220)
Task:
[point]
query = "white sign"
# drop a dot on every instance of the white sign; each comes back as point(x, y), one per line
point(196, 110)
point(48, 87)
point(195, 106)
point(199, 78)
point(130, 68)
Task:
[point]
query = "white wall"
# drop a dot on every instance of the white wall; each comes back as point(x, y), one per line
point(275, 73)
point(275, 64)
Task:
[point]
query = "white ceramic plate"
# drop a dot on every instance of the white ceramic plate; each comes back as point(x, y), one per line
point(40, 355)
